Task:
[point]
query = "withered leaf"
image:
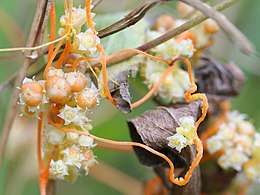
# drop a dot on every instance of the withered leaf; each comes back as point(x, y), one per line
point(154, 126)
point(119, 90)
point(219, 81)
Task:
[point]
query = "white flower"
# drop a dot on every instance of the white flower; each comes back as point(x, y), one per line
point(69, 114)
point(187, 128)
point(214, 144)
point(172, 49)
point(177, 141)
point(73, 156)
point(88, 42)
point(55, 137)
point(73, 137)
point(90, 160)
point(86, 141)
point(78, 18)
point(257, 140)
point(233, 158)
point(252, 171)
point(58, 169)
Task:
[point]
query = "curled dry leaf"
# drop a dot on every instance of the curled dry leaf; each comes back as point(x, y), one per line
point(154, 126)
point(119, 90)
point(218, 81)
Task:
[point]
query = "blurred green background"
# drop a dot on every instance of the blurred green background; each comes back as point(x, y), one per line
point(18, 175)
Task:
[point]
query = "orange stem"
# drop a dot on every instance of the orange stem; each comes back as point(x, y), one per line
point(52, 58)
point(39, 135)
point(70, 10)
point(65, 5)
point(88, 17)
point(52, 29)
point(171, 174)
point(64, 54)
point(104, 74)
point(116, 148)
point(75, 64)
point(154, 88)
point(139, 52)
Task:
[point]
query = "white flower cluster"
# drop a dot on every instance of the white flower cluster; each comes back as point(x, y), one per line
point(239, 142)
point(184, 135)
point(177, 82)
point(74, 153)
point(173, 88)
point(202, 34)
point(85, 42)
point(71, 161)
point(171, 49)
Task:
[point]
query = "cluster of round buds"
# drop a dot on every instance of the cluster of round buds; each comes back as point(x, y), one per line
point(201, 35)
point(173, 87)
point(236, 139)
point(184, 135)
point(32, 97)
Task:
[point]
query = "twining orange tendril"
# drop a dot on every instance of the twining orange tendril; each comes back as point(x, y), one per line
point(39, 151)
point(139, 52)
point(52, 58)
point(75, 64)
point(70, 10)
point(43, 173)
point(176, 181)
point(88, 17)
point(104, 74)
point(208, 157)
point(225, 107)
point(52, 29)
point(64, 54)
point(154, 88)
point(102, 145)
point(65, 5)
point(155, 186)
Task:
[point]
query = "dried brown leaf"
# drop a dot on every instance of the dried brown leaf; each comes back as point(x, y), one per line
point(217, 80)
point(119, 90)
point(154, 126)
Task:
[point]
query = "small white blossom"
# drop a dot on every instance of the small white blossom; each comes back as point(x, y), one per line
point(88, 42)
point(55, 137)
point(177, 141)
point(73, 156)
point(73, 137)
point(214, 144)
point(78, 18)
point(233, 158)
point(187, 128)
point(69, 114)
point(86, 141)
point(58, 169)
point(252, 171)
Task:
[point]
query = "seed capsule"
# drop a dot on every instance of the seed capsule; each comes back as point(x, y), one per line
point(77, 81)
point(58, 89)
point(32, 93)
point(86, 99)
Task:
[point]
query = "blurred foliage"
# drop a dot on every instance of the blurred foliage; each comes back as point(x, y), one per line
point(108, 122)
